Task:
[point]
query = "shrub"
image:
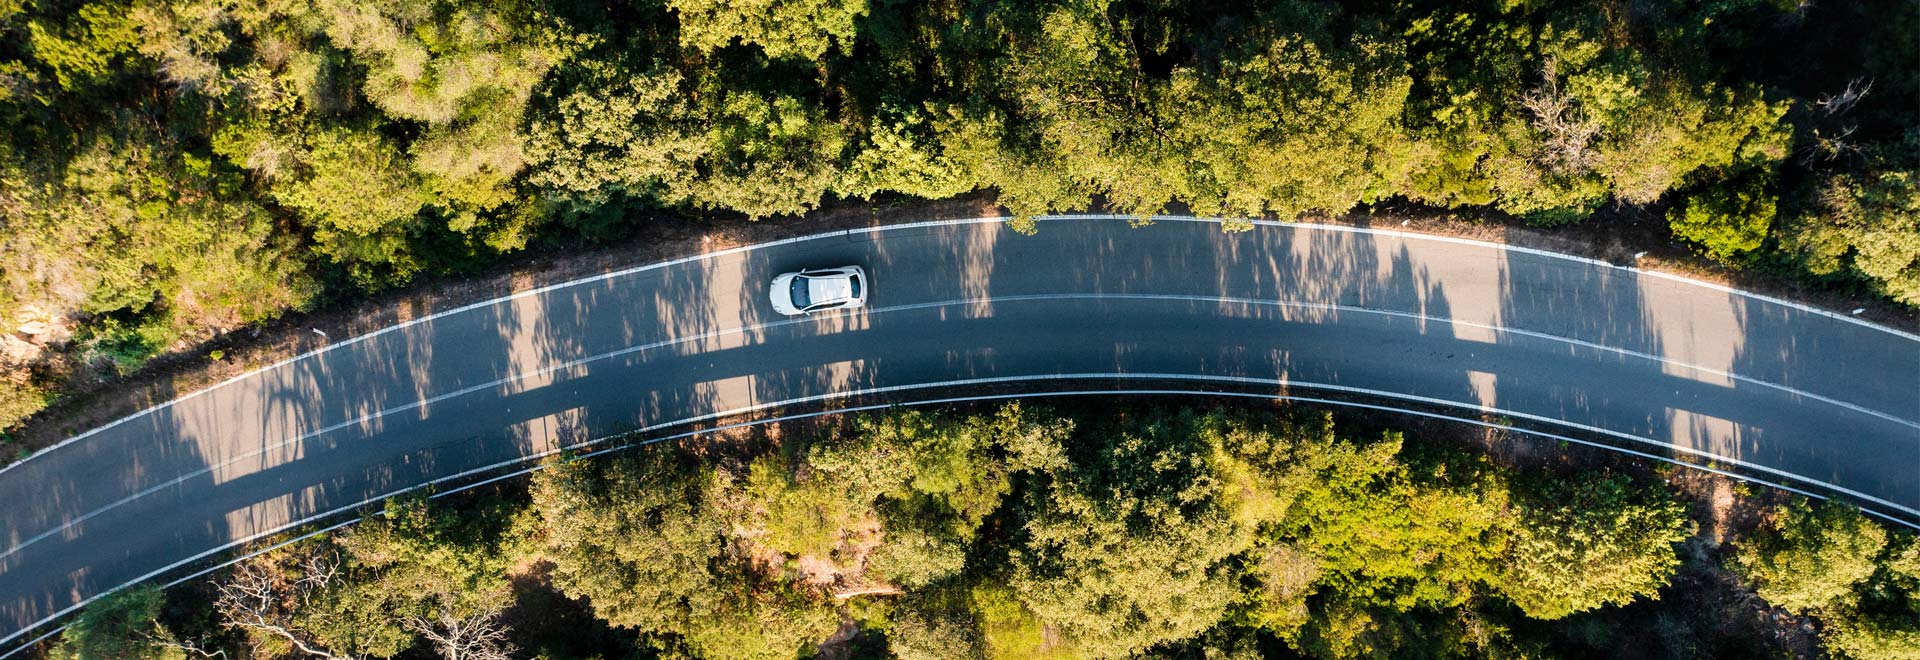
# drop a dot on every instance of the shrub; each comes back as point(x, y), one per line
point(19, 400)
point(1727, 220)
point(126, 346)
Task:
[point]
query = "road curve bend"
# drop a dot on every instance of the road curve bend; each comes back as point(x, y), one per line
point(1784, 391)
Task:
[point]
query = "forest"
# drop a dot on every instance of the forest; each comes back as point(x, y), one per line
point(175, 168)
point(1026, 532)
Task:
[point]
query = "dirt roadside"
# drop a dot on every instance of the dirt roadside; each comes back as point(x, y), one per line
point(92, 403)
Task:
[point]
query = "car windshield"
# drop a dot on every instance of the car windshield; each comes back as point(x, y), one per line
point(799, 288)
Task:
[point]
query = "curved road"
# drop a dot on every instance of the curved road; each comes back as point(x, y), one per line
point(1785, 391)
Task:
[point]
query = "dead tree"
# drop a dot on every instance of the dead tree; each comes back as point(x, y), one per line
point(260, 602)
point(1568, 132)
point(476, 636)
point(1835, 104)
point(1834, 139)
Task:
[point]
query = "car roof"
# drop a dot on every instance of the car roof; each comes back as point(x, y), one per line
point(827, 288)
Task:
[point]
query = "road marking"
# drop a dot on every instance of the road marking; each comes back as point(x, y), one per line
point(858, 409)
point(946, 223)
point(878, 230)
point(1541, 253)
point(570, 364)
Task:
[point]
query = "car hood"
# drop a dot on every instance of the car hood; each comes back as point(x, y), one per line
point(782, 302)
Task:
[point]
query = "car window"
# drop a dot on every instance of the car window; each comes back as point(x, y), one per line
point(855, 281)
point(799, 291)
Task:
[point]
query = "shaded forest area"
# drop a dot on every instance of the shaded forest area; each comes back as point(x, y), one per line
point(172, 168)
point(1021, 532)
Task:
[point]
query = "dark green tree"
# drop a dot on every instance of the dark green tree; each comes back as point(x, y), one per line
point(121, 626)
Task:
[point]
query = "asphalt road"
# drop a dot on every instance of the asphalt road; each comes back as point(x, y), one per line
point(1782, 390)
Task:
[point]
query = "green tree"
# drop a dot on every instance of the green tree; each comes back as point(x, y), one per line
point(88, 50)
point(1811, 557)
point(151, 238)
point(809, 509)
point(121, 626)
point(1388, 540)
point(1008, 629)
point(769, 153)
point(633, 538)
point(775, 622)
point(1852, 634)
point(1536, 110)
point(1082, 99)
point(1593, 542)
point(1129, 546)
point(1287, 126)
point(1867, 223)
point(467, 71)
point(363, 202)
point(642, 541)
point(1883, 623)
point(902, 155)
point(801, 29)
point(619, 133)
point(931, 626)
point(19, 400)
point(420, 566)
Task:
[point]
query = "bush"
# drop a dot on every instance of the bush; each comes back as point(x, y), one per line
point(126, 346)
point(19, 400)
point(1726, 221)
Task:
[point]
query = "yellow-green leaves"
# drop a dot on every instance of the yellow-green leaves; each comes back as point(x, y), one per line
point(798, 29)
point(1589, 541)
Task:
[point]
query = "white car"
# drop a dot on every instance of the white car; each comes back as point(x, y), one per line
point(810, 291)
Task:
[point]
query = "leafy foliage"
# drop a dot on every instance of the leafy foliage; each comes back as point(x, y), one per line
point(18, 400)
point(1129, 547)
point(1594, 542)
point(1814, 558)
point(1860, 580)
point(1726, 221)
point(1867, 222)
point(633, 538)
point(123, 625)
point(274, 149)
point(803, 29)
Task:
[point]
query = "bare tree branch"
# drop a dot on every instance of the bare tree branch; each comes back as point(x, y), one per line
point(478, 636)
point(253, 600)
point(190, 648)
point(1834, 104)
point(1569, 132)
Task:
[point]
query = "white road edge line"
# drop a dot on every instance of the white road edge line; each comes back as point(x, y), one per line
point(420, 403)
point(946, 223)
point(857, 409)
